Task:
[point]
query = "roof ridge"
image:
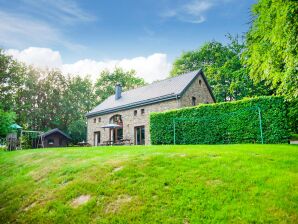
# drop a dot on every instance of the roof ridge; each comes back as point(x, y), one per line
point(159, 81)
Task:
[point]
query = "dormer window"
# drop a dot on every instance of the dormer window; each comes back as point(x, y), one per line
point(193, 101)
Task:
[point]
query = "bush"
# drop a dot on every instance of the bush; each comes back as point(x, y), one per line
point(219, 123)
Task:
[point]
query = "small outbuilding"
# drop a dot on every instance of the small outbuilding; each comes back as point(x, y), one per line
point(55, 138)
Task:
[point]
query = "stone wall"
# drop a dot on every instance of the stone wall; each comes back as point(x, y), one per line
point(130, 121)
point(197, 89)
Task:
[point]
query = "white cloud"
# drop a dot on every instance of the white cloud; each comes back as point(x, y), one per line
point(151, 68)
point(39, 57)
point(19, 31)
point(65, 11)
point(192, 12)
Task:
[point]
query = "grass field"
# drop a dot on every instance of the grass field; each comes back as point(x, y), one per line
point(154, 184)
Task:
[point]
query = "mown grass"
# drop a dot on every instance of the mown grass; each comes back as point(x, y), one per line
point(151, 184)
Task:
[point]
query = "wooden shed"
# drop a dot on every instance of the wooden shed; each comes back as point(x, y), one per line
point(55, 138)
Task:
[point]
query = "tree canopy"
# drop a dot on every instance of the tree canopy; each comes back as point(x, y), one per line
point(222, 65)
point(105, 84)
point(271, 50)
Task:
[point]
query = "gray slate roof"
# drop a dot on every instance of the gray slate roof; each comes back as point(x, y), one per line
point(152, 93)
point(54, 131)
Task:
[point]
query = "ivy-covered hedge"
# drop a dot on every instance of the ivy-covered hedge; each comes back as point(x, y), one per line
point(220, 123)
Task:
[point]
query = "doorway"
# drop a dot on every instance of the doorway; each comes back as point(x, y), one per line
point(117, 135)
point(97, 138)
point(140, 135)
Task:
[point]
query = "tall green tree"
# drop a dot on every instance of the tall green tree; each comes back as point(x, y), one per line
point(222, 65)
point(272, 49)
point(11, 79)
point(105, 84)
point(6, 119)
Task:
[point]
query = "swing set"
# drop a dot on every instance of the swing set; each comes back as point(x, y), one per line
point(21, 139)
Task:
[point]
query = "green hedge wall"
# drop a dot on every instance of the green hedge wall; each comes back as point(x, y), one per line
point(220, 123)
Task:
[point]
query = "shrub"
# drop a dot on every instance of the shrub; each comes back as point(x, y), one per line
point(219, 123)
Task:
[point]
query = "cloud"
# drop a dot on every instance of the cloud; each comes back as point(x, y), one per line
point(151, 68)
point(38, 57)
point(192, 12)
point(19, 31)
point(64, 11)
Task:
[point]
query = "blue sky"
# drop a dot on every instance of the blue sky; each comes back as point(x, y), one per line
point(70, 34)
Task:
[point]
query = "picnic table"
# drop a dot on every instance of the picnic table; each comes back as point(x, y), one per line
point(118, 142)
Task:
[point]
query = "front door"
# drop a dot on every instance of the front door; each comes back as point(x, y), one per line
point(140, 135)
point(117, 134)
point(96, 138)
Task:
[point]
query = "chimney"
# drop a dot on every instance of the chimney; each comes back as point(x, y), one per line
point(118, 89)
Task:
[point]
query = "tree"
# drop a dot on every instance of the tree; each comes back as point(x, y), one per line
point(78, 130)
point(105, 85)
point(6, 119)
point(272, 49)
point(221, 64)
point(11, 78)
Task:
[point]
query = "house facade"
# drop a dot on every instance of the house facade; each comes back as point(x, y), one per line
point(124, 117)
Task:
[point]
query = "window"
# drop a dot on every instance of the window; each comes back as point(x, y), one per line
point(94, 120)
point(193, 101)
point(142, 111)
point(51, 141)
point(140, 135)
point(200, 82)
point(135, 112)
point(99, 119)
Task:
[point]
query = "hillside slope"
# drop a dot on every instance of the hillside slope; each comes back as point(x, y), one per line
point(151, 184)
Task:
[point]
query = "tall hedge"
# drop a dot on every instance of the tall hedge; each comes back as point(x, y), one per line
point(220, 123)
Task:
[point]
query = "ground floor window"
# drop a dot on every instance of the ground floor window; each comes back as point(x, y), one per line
point(96, 138)
point(140, 135)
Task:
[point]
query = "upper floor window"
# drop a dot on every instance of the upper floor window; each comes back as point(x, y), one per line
point(135, 112)
point(99, 119)
point(200, 82)
point(94, 120)
point(193, 101)
point(142, 111)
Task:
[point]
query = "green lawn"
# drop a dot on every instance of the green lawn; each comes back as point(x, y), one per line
point(154, 184)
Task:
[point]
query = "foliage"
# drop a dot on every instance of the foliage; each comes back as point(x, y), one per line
point(272, 49)
point(49, 100)
point(221, 64)
point(272, 45)
point(11, 78)
point(233, 122)
point(78, 130)
point(6, 119)
point(105, 85)
point(151, 184)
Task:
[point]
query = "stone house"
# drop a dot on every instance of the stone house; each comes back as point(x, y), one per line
point(124, 117)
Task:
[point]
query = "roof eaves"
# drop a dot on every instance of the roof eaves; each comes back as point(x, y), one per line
point(53, 131)
point(133, 105)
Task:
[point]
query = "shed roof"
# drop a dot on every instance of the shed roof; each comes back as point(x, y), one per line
point(163, 90)
point(54, 131)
